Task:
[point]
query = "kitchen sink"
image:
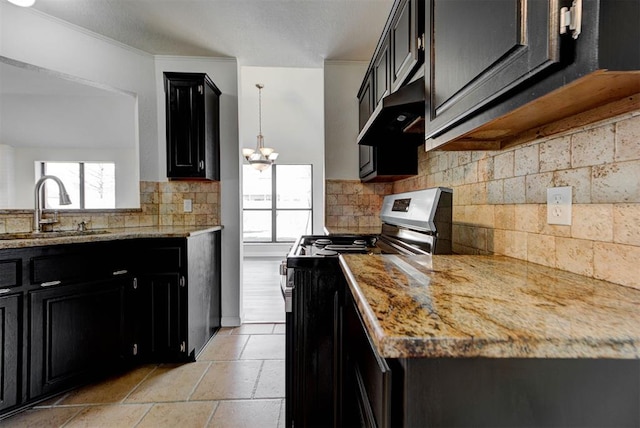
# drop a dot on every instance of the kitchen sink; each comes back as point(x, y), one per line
point(56, 234)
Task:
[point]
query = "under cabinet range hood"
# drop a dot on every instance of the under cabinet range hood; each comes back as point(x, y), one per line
point(398, 118)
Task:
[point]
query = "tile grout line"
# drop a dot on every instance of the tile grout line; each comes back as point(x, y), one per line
point(138, 384)
point(145, 414)
point(255, 385)
point(193, 390)
point(213, 412)
point(243, 348)
point(80, 409)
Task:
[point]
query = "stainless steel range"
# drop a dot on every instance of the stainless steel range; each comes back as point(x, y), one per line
point(313, 284)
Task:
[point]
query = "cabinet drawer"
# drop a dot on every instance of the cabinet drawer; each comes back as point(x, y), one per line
point(10, 273)
point(63, 267)
point(162, 259)
point(77, 262)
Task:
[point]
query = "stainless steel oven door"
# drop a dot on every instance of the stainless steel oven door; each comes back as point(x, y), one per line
point(286, 285)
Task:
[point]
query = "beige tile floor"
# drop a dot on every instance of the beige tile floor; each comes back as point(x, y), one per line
point(237, 381)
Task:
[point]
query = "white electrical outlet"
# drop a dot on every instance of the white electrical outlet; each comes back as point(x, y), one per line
point(559, 205)
point(187, 206)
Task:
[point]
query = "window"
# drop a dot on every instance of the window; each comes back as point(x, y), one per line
point(89, 184)
point(277, 203)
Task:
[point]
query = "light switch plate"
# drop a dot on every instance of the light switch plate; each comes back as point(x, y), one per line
point(559, 205)
point(187, 205)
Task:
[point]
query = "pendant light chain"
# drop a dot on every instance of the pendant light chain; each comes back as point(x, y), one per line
point(259, 86)
point(262, 157)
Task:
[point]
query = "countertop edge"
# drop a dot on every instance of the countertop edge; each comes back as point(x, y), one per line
point(113, 234)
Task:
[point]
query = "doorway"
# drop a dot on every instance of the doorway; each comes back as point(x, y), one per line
point(261, 298)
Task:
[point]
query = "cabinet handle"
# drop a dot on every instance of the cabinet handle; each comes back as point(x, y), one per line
point(201, 164)
point(120, 272)
point(5, 290)
point(50, 283)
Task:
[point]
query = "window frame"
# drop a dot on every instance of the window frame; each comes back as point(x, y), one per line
point(274, 209)
point(81, 178)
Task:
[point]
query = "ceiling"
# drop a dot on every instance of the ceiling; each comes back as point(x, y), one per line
point(266, 33)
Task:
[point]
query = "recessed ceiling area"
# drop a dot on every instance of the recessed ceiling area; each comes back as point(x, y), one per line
point(267, 33)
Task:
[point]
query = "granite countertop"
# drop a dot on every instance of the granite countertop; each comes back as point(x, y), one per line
point(490, 306)
point(111, 234)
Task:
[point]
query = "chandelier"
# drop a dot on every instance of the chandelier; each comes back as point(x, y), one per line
point(262, 157)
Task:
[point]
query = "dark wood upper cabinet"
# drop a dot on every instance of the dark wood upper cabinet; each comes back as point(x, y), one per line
point(502, 72)
point(480, 49)
point(397, 58)
point(193, 126)
point(365, 100)
point(406, 37)
point(381, 73)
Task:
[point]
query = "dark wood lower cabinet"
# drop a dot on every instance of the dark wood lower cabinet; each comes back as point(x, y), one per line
point(10, 357)
point(76, 332)
point(488, 392)
point(367, 378)
point(161, 327)
point(176, 300)
point(72, 313)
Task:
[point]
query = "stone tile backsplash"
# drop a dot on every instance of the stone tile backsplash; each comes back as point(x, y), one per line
point(500, 199)
point(160, 204)
point(350, 203)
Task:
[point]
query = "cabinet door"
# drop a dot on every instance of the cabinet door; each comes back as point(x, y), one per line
point(367, 161)
point(481, 49)
point(365, 101)
point(185, 139)
point(381, 74)
point(367, 379)
point(404, 34)
point(10, 350)
point(160, 327)
point(76, 331)
point(203, 290)
point(159, 309)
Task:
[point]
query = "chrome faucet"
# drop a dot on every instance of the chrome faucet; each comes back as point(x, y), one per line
point(37, 215)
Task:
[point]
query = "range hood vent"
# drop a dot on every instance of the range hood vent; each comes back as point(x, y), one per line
point(398, 119)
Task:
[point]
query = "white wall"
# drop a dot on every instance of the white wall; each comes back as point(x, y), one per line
point(7, 176)
point(35, 38)
point(224, 73)
point(342, 80)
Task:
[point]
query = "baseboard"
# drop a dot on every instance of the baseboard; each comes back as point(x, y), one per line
point(230, 321)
